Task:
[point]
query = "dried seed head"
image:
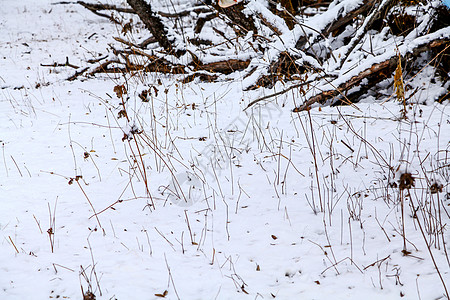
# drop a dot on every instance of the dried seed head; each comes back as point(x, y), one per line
point(436, 188)
point(406, 181)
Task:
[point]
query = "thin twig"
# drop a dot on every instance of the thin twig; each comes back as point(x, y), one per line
point(13, 243)
point(90, 203)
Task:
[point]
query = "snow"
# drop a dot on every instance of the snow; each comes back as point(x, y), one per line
point(240, 210)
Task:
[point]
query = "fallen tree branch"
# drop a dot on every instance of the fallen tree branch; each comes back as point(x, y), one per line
point(55, 64)
point(95, 7)
point(120, 40)
point(147, 42)
point(224, 67)
point(348, 17)
point(152, 22)
point(77, 73)
point(235, 14)
point(141, 45)
point(375, 15)
point(202, 20)
point(92, 8)
point(103, 68)
point(334, 25)
point(377, 72)
point(184, 13)
point(202, 76)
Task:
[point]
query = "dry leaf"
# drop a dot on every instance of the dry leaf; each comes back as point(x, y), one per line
point(163, 295)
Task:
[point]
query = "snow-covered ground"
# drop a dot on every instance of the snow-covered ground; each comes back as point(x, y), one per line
point(254, 204)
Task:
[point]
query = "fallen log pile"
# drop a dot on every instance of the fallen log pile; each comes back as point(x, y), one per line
point(350, 47)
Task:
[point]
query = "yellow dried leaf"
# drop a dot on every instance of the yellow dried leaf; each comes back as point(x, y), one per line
point(163, 295)
point(398, 81)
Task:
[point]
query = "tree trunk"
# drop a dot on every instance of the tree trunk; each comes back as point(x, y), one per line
point(152, 22)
